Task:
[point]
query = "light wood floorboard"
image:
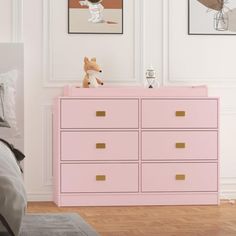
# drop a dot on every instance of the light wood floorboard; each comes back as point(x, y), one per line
point(153, 220)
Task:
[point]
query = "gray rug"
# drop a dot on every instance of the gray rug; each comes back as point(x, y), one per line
point(56, 224)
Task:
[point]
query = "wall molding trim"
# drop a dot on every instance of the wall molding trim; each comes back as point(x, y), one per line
point(167, 78)
point(17, 21)
point(139, 49)
point(47, 148)
point(165, 41)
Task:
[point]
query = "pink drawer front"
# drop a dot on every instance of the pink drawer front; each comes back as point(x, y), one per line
point(99, 178)
point(99, 146)
point(99, 113)
point(181, 145)
point(177, 177)
point(179, 113)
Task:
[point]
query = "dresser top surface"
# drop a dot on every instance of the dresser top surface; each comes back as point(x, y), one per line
point(128, 91)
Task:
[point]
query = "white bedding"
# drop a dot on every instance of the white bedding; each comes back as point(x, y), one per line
point(12, 192)
point(8, 82)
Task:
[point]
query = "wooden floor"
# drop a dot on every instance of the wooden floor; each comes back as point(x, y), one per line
point(154, 220)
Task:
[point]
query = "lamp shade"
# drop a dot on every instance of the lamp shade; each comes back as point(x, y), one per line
point(213, 4)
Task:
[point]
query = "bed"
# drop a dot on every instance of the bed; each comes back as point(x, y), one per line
point(12, 191)
point(13, 196)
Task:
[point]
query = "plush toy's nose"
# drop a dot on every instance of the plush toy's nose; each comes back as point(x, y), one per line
point(100, 71)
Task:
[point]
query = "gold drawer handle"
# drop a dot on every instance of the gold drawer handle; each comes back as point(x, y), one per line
point(180, 145)
point(100, 177)
point(180, 113)
point(100, 146)
point(100, 113)
point(180, 177)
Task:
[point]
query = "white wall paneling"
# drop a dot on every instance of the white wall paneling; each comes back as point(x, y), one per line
point(165, 41)
point(209, 59)
point(17, 20)
point(122, 58)
point(46, 46)
point(47, 145)
point(5, 21)
point(11, 20)
point(227, 96)
point(155, 33)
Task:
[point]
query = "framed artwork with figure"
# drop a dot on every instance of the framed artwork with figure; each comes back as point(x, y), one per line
point(212, 17)
point(95, 16)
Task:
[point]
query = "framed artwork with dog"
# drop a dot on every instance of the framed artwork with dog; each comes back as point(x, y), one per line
point(95, 16)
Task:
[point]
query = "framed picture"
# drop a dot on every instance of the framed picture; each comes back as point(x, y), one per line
point(95, 16)
point(212, 17)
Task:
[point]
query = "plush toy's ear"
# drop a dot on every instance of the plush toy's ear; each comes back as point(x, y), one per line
point(86, 60)
point(94, 59)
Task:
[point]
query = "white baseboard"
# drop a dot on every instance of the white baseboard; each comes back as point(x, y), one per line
point(228, 195)
point(227, 192)
point(40, 197)
point(228, 188)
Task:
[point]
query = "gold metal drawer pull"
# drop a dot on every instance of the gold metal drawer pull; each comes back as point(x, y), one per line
point(100, 177)
point(180, 113)
point(180, 145)
point(100, 113)
point(180, 177)
point(100, 146)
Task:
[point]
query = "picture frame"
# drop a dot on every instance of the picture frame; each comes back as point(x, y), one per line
point(211, 17)
point(95, 17)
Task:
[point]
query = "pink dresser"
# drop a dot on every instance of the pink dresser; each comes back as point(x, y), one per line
point(136, 146)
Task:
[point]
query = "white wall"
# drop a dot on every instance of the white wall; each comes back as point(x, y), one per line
point(5, 20)
point(162, 41)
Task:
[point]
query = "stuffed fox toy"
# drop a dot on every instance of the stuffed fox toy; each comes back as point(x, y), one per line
point(91, 69)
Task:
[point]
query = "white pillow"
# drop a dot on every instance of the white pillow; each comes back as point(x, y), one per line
point(8, 81)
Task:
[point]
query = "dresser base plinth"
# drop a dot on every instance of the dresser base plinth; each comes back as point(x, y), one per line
point(138, 199)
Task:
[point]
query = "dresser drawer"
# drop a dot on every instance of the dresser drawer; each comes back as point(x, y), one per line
point(179, 113)
point(99, 146)
point(99, 113)
point(181, 145)
point(174, 177)
point(99, 178)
